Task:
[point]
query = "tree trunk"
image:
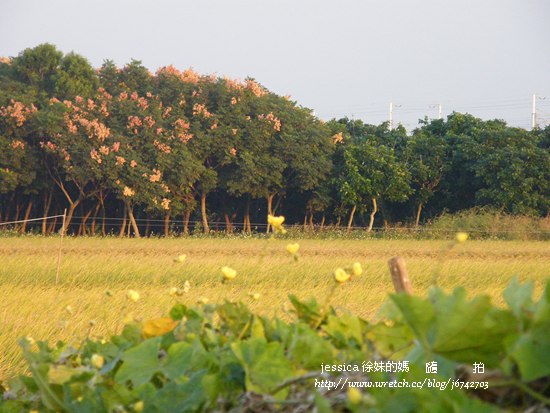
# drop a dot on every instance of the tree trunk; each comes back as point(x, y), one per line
point(52, 226)
point(228, 225)
point(123, 227)
point(166, 224)
point(305, 221)
point(186, 221)
point(206, 228)
point(27, 213)
point(47, 203)
point(373, 213)
point(418, 214)
point(82, 229)
point(133, 222)
point(322, 223)
point(147, 226)
point(311, 220)
point(94, 220)
point(350, 222)
point(70, 214)
point(103, 219)
point(269, 208)
point(246, 223)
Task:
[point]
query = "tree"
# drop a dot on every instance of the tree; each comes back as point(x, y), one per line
point(75, 77)
point(373, 172)
point(425, 154)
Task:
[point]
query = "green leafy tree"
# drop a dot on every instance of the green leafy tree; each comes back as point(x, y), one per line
point(425, 154)
point(373, 172)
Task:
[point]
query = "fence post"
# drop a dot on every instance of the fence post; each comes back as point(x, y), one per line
point(399, 275)
point(60, 246)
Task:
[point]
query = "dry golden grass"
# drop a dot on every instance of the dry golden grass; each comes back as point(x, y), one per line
point(31, 303)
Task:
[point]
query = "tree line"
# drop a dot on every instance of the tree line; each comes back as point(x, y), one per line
point(178, 146)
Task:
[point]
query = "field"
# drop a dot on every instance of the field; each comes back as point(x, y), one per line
point(32, 304)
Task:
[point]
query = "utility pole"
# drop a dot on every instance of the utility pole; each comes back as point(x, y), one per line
point(534, 112)
point(439, 116)
point(391, 113)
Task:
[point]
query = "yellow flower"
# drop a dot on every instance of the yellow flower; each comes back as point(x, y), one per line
point(293, 248)
point(461, 237)
point(30, 340)
point(69, 309)
point(158, 327)
point(228, 273)
point(180, 258)
point(276, 223)
point(97, 361)
point(132, 295)
point(254, 296)
point(203, 300)
point(138, 406)
point(186, 287)
point(356, 269)
point(341, 276)
point(173, 291)
point(354, 395)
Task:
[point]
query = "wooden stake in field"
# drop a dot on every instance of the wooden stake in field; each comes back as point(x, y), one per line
point(399, 275)
point(60, 246)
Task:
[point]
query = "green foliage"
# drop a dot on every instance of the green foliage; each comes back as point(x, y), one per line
point(69, 134)
point(222, 355)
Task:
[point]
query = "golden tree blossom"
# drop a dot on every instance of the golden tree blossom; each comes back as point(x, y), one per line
point(155, 176)
point(338, 138)
point(200, 109)
point(133, 163)
point(17, 112)
point(128, 192)
point(95, 156)
point(255, 88)
point(162, 146)
point(165, 203)
point(17, 144)
point(120, 160)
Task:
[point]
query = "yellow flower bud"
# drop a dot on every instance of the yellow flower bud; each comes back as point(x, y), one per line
point(293, 248)
point(228, 273)
point(132, 295)
point(354, 395)
point(97, 361)
point(461, 237)
point(138, 406)
point(173, 291)
point(341, 276)
point(180, 258)
point(356, 269)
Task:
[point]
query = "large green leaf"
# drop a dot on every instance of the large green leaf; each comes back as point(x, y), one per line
point(264, 364)
point(140, 363)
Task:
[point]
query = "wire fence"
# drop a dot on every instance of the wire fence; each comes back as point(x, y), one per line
point(97, 226)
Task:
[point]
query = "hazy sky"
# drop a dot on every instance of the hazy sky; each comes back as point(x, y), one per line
point(339, 58)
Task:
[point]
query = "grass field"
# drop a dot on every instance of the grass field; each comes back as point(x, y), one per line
point(31, 303)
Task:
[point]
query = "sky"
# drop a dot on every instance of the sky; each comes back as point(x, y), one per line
point(339, 58)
